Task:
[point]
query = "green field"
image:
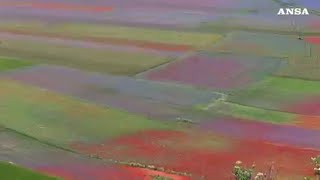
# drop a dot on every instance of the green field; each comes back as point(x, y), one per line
point(253, 113)
point(274, 92)
point(262, 44)
point(61, 120)
point(10, 63)
point(303, 67)
point(99, 60)
point(116, 32)
point(13, 172)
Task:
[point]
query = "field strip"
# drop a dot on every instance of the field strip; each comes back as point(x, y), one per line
point(117, 34)
point(260, 30)
point(136, 164)
point(162, 46)
point(264, 109)
point(232, 53)
point(295, 78)
point(78, 43)
point(13, 70)
point(290, 146)
point(124, 163)
point(58, 6)
point(90, 59)
point(251, 113)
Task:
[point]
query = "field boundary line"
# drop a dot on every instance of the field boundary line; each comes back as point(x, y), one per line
point(297, 78)
point(262, 108)
point(273, 110)
point(160, 66)
point(260, 30)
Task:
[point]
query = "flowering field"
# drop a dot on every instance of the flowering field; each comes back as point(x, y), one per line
point(211, 157)
point(217, 71)
point(28, 152)
point(154, 99)
point(92, 59)
point(61, 120)
point(157, 89)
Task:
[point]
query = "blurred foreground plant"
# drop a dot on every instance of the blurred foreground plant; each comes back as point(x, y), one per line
point(158, 177)
point(242, 173)
point(316, 163)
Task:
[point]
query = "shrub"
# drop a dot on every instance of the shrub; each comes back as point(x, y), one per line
point(242, 173)
point(158, 177)
point(316, 163)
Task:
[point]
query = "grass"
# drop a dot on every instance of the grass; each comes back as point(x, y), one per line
point(99, 60)
point(61, 120)
point(303, 67)
point(253, 113)
point(296, 86)
point(10, 63)
point(116, 32)
point(274, 92)
point(262, 44)
point(13, 172)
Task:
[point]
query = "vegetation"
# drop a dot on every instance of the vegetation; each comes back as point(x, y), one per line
point(7, 63)
point(91, 59)
point(61, 120)
point(243, 173)
point(83, 30)
point(316, 164)
point(275, 92)
point(281, 86)
point(12, 172)
point(302, 67)
point(261, 43)
point(254, 113)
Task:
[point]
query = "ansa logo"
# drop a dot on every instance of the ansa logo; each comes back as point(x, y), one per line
point(293, 11)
